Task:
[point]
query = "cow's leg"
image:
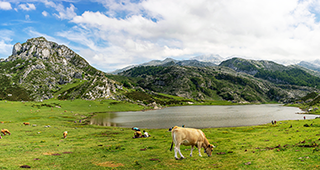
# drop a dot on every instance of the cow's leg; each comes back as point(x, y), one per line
point(199, 149)
point(191, 150)
point(177, 149)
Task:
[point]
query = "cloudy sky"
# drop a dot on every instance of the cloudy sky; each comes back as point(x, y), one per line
point(112, 34)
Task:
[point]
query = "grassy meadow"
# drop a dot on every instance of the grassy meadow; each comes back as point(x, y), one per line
point(41, 145)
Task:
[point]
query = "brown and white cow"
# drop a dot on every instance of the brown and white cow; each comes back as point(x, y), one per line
point(5, 131)
point(65, 133)
point(187, 137)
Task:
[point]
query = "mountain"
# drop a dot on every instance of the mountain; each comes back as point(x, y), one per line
point(194, 63)
point(308, 70)
point(315, 65)
point(150, 63)
point(273, 72)
point(39, 69)
point(219, 82)
point(212, 58)
point(168, 62)
point(252, 66)
point(158, 62)
point(44, 70)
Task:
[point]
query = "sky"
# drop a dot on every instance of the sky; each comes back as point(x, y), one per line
point(113, 34)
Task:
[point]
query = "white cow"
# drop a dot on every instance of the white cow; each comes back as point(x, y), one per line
point(187, 137)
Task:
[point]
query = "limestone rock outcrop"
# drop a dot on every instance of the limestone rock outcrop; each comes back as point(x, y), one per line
point(44, 67)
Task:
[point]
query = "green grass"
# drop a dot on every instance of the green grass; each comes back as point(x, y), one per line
point(95, 147)
point(64, 88)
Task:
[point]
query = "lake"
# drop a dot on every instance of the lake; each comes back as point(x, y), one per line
point(201, 116)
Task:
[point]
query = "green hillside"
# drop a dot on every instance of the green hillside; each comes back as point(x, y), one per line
point(212, 83)
point(273, 72)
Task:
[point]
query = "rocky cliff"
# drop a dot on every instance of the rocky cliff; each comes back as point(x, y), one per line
point(48, 69)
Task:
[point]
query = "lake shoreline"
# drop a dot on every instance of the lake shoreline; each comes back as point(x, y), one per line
point(213, 116)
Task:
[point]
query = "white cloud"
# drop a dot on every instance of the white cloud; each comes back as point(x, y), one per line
point(45, 13)
point(5, 5)
point(115, 7)
point(154, 29)
point(27, 17)
point(63, 13)
point(27, 7)
point(5, 49)
point(5, 43)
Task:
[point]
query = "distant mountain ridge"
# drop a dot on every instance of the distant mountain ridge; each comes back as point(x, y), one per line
point(218, 82)
point(315, 65)
point(213, 58)
point(273, 72)
point(199, 61)
point(252, 66)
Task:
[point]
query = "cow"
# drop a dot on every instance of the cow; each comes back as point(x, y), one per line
point(65, 133)
point(187, 137)
point(5, 131)
point(26, 123)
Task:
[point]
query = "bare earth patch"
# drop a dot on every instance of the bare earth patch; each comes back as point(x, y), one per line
point(108, 164)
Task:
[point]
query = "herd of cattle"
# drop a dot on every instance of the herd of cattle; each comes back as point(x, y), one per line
point(6, 131)
point(180, 136)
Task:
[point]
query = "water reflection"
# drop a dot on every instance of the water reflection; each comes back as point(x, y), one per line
point(103, 119)
point(201, 116)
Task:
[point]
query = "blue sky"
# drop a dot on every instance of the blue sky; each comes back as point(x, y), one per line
point(112, 34)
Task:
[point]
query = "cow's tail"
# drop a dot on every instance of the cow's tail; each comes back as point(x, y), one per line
point(173, 138)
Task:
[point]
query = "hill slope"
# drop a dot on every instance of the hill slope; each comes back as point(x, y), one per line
point(273, 72)
point(315, 65)
point(213, 83)
point(43, 69)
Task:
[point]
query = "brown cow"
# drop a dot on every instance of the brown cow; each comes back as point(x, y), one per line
point(26, 123)
point(65, 133)
point(5, 131)
point(187, 137)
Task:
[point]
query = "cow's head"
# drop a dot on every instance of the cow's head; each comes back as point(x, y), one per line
point(209, 149)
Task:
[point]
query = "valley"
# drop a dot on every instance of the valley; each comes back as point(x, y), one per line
point(54, 90)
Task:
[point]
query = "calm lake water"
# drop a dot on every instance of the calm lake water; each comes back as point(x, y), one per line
point(201, 116)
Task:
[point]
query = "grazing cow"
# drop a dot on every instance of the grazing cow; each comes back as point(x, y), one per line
point(187, 137)
point(5, 131)
point(26, 123)
point(65, 133)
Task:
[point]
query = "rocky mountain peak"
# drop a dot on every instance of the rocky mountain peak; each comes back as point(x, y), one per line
point(43, 67)
point(42, 49)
